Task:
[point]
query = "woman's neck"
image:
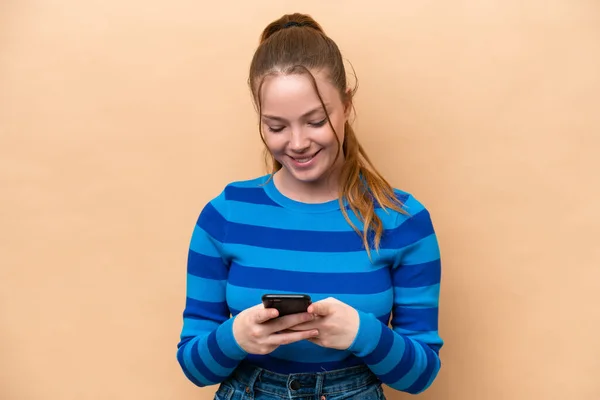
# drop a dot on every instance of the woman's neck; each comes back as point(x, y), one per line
point(320, 191)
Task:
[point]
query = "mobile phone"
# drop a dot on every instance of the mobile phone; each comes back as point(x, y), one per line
point(287, 303)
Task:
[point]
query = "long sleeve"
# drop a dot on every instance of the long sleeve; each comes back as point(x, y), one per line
point(207, 351)
point(406, 356)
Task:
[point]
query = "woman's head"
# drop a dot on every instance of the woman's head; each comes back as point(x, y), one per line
point(298, 82)
point(299, 85)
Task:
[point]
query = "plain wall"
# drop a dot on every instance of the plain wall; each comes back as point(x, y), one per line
point(120, 119)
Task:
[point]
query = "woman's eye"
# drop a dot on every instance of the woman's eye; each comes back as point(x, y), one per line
point(318, 124)
point(278, 129)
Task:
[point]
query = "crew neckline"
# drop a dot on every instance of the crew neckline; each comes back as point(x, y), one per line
point(273, 192)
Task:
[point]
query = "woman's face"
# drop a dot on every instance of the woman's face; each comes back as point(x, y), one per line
point(295, 126)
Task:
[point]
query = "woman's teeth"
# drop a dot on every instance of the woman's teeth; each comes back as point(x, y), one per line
point(305, 159)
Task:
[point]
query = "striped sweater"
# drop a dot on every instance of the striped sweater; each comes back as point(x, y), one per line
point(252, 240)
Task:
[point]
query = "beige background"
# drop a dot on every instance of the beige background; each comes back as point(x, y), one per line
point(120, 119)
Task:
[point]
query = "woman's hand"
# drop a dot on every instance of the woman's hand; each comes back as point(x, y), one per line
point(258, 330)
point(336, 322)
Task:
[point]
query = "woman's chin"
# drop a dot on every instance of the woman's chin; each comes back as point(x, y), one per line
point(307, 176)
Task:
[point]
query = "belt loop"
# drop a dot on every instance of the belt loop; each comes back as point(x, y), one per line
point(319, 385)
point(252, 381)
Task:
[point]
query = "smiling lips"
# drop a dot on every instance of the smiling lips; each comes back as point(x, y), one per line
point(304, 160)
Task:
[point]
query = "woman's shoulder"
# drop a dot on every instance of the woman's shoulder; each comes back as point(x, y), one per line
point(411, 205)
point(244, 190)
point(233, 194)
point(249, 183)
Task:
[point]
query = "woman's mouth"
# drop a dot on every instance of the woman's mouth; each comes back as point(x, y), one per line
point(304, 161)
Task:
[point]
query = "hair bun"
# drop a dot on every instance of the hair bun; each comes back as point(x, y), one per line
point(290, 21)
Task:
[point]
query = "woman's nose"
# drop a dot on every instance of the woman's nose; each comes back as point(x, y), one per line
point(299, 143)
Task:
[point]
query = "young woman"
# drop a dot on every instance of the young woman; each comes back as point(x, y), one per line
point(323, 223)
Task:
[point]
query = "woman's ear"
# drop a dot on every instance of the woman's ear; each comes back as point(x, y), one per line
point(347, 103)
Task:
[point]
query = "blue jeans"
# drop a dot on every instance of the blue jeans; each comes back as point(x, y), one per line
point(248, 382)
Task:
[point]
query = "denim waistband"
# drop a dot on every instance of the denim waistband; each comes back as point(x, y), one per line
point(305, 384)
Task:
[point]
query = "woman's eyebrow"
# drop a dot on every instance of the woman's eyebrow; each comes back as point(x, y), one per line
point(306, 114)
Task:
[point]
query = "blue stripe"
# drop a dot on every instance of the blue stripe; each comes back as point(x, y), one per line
point(401, 196)
point(431, 338)
point(425, 296)
point(227, 342)
point(206, 266)
point(417, 275)
point(292, 366)
point(391, 359)
point(424, 379)
point(409, 232)
point(404, 365)
point(212, 222)
point(208, 290)
point(412, 230)
point(411, 205)
point(193, 327)
point(202, 243)
point(296, 240)
point(189, 363)
point(273, 217)
point(375, 303)
point(201, 366)
point(250, 183)
point(209, 360)
point(383, 347)
point(314, 282)
point(184, 341)
point(435, 347)
point(217, 353)
point(435, 372)
point(416, 319)
point(422, 251)
point(270, 217)
point(255, 195)
point(288, 260)
point(385, 319)
point(206, 310)
point(308, 352)
point(417, 368)
point(260, 182)
point(185, 369)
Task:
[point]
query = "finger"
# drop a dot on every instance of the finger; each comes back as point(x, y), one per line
point(291, 330)
point(291, 337)
point(319, 308)
point(265, 314)
point(305, 326)
point(288, 321)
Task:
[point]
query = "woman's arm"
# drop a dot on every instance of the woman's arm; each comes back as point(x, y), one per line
point(406, 356)
point(207, 351)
